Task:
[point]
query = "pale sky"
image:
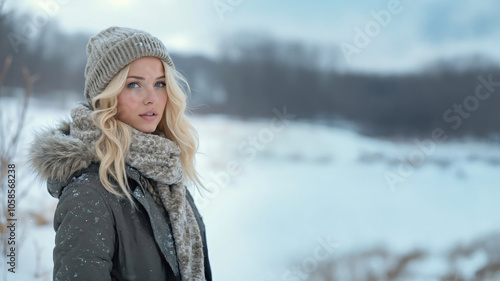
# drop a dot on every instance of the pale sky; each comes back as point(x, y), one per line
point(417, 32)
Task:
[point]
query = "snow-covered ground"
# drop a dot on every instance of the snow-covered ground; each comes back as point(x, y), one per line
point(283, 189)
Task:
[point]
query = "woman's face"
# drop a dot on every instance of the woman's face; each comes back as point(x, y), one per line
point(142, 101)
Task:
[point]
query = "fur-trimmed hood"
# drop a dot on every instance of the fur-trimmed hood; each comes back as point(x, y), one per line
point(55, 155)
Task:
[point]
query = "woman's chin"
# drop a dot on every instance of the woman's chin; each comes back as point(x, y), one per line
point(146, 129)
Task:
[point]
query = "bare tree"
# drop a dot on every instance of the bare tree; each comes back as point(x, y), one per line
point(10, 131)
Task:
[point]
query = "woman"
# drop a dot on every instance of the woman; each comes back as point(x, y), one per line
point(120, 168)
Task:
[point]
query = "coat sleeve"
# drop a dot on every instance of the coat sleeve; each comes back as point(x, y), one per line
point(85, 237)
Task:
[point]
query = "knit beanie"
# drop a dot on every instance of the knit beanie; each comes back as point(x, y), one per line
point(114, 48)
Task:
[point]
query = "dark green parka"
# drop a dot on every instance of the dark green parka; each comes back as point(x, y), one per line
point(102, 237)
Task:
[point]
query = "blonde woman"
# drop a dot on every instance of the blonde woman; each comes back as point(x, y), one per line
point(120, 167)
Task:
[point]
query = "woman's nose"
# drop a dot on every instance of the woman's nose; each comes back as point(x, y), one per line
point(150, 96)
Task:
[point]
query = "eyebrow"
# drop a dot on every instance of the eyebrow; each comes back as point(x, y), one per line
point(142, 78)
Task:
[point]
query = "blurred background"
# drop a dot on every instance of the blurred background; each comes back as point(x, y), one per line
point(342, 140)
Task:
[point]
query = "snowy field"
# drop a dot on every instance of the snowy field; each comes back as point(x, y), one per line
point(283, 189)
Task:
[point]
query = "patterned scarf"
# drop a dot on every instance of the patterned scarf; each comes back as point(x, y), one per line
point(157, 158)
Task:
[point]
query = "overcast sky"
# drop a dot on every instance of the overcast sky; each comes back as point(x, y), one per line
point(417, 32)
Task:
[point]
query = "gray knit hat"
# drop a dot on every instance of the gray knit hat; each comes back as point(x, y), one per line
point(114, 48)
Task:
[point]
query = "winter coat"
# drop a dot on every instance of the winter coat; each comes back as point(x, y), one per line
point(102, 237)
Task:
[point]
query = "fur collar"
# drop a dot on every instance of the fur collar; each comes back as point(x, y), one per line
point(55, 155)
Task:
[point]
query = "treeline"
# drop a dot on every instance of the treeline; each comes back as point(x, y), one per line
point(440, 96)
point(45, 50)
point(255, 74)
point(459, 99)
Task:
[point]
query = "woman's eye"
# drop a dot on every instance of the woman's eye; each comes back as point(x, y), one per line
point(160, 84)
point(133, 85)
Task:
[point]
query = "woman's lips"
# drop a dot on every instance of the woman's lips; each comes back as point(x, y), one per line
point(149, 117)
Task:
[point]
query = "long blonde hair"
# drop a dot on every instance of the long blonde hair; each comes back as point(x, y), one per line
point(113, 145)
